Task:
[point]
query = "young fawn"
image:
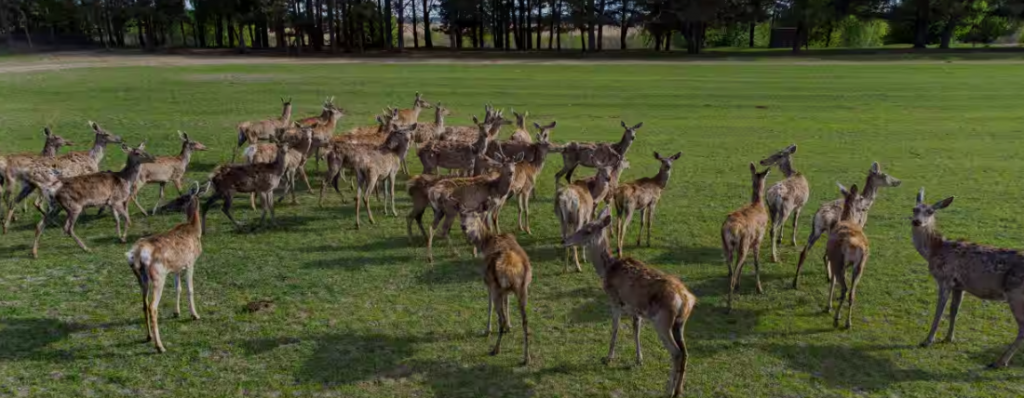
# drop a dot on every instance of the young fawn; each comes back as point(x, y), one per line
point(94, 190)
point(639, 292)
point(958, 266)
point(506, 270)
point(828, 215)
point(641, 195)
point(743, 231)
point(253, 132)
point(166, 169)
point(847, 247)
point(173, 252)
point(786, 197)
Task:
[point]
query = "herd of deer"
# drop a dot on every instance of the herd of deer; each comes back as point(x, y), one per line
point(483, 173)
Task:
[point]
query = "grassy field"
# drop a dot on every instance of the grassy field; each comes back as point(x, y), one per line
point(361, 314)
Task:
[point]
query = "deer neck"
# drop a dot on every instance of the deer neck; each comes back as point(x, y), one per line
point(926, 239)
point(600, 255)
point(847, 212)
point(758, 195)
point(662, 177)
point(96, 153)
point(195, 222)
point(540, 152)
point(130, 172)
point(870, 190)
point(286, 115)
point(623, 145)
point(49, 151)
point(185, 155)
point(786, 167)
point(281, 161)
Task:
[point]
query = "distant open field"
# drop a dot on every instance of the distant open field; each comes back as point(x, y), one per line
point(361, 313)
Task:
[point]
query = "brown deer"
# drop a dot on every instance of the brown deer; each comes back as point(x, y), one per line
point(471, 192)
point(410, 116)
point(642, 195)
point(166, 169)
point(958, 266)
point(469, 134)
point(260, 178)
point(506, 271)
point(94, 190)
point(514, 147)
point(323, 117)
point(828, 215)
point(604, 191)
point(786, 197)
point(525, 179)
point(253, 132)
point(426, 132)
point(375, 162)
point(417, 187)
point(639, 292)
point(300, 142)
point(323, 132)
point(521, 134)
point(847, 247)
point(154, 257)
point(13, 166)
point(457, 155)
point(743, 231)
point(374, 135)
point(574, 207)
point(576, 154)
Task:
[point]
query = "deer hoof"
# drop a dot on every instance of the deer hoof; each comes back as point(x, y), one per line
point(160, 350)
point(926, 343)
point(495, 352)
point(608, 360)
point(177, 315)
point(195, 317)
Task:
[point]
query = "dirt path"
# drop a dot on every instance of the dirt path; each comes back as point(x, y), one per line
point(75, 60)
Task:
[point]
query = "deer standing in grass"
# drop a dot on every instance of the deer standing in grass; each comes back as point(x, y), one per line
point(155, 257)
point(786, 197)
point(300, 141)
point(426, 132)
point(521, 134)
point(828, 215)
point(641, 195)
point(574, 207)
point(958, 266)
point(14, 166)
point(323, 117)
point(166, 169)
point(525, 179)
point(412, 115)
point(94, 190)
point(418, 187)
point(323, 133)
point(847, 247)
point(457, 155)
point(743, 231)
point(471, 192)
point(506, 271)
point(260, 178)
point(640, 292)
point(253, 132)
point(575, 154)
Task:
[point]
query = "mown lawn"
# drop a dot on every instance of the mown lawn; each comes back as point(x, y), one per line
point(360, 313)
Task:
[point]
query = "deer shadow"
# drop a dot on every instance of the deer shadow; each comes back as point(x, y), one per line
point(676, 254)
point(849, 367)
point(462, 269)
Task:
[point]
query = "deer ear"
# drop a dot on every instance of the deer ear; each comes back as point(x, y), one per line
point(638, 126)
point(412, 127)
point(842, 189)
point(95, 127)
point(475, 120)
point(47, 132)
point(623, 124)
point(124, 148)
point(142, 146)
point(676, 156)
point(920, 196)
point(942, 204)
point(552, 125)
point(656, 155)
point(874, 167)
point(537, 125)
point(792, 148)
point(753, 169)
point(182, 136)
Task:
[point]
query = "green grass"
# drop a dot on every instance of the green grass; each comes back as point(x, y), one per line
point(361, 314)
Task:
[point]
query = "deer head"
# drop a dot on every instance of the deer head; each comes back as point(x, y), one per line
point(666, 163)
point(630, 133)
point(104, 137)
point(189, 143)
point(591, 232)
point(880, 179)
point(137, 155)
point(520, 118)
point(545, 131)
point(420, 103)
point(54, 140)
point(924, 215)
point(780, 157)
point(471, 219)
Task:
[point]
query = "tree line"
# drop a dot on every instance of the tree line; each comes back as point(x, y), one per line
point(581, 25)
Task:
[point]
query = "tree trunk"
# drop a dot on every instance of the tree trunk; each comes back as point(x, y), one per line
point(540, 24)
point(280, 31)
point(753, 26)
point(600, 25)
point(332, 25)
point(389, 38)
point(624, 25)
point(583, 38)
point(798, 35)
point(558, 25)
point(947, 31)
point(401, 25)
point(415, 32)
point(427, 42)
point(668, 40)
point(921, 24)
point(828, 35)
point(218, 30)
point(551, 30)
point(516, 26)
point(589, 18)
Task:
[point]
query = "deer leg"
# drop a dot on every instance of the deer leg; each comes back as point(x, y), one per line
point(371, 187)
point(446, 231)
point(39, 233)
point(161, 199)
point(640, 232)
point(177, 294)
point(226, 208)
point(359, 197)
point(757, 262)
point(502, 321)
point(1016, 300)
point(69, 227)
point(576, 257)
point(144, 287)
point(940, 307)
point(492, 297)
point(815, 235)
point(858, 270)
point(727, 251)
point(122, 208)
point(522, 297)
point(559, 174)
point(954, 308)
point(391, 186)
point(154, 304)
point(252, 200)
point(650, 220)
point(616, 316)
point(522, 196)
point(667, 326)
point(796, 221)
point(637, 321)
point(305, 177)
point(206, 207)
point(190, 286)
point(623, 227)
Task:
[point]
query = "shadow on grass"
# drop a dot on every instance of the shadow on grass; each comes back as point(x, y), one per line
point(688, 255)
point(460, 269)
point(29, 338)
point(849, 367)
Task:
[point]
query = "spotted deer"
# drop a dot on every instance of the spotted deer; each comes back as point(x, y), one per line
point(300, 141)
point(743, 231)
point(469, 134)
point(786, 197)
point(155, 257)
point(575, 154)
point(426, 132)
point(93, 190)
point(521, 134)
point(410, 116)
point(506, 271)
point(323, 132)
point(640, 292)
point(261, 178)
point(253, 132)
point(13, 166)
point(513, 147)
point(373, 135)
point(574, 207)
point(604, 192)
point(847, 247)
point(471, 192)
point(641, 195)
point(828, 215)
point(417, 187)
point(457, 155)
point(323, 117)
point(166, 169)
point(959, 266)
point(525, 179)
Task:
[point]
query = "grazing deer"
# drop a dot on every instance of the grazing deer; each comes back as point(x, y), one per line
point(576, 154)
point(457, 155)
point(958, 266)
point(828, 215)
point(253, 132)
point(260, 178)
point(847, 247)
point(785, 197)
point(13, 166)
point(166, 169)
point(93, 190)
point(521, 134)
point(506, 270)
point(299, 141)
point(471, 192)
point(639, 292)
point(525, 179)
point(642, 195)
point(410, 116)
point(154, 257)
point(743, 231)
point(574, 207)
